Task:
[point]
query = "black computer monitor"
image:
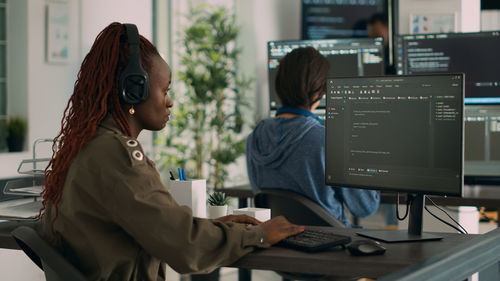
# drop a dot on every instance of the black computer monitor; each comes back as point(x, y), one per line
point(482, 144)
point(396, 133)
point(475, 54)
point(347, 57)
point(323, 19)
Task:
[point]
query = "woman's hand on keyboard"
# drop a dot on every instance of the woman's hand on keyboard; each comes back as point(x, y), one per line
point(279, 228)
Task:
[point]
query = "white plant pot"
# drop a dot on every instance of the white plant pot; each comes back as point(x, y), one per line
point(214, 212)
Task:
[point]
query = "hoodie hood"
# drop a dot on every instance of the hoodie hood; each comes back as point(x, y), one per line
point(274, 139)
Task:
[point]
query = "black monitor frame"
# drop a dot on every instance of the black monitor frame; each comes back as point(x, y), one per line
point(415, 197)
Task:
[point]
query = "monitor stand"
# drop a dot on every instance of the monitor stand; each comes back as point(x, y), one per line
point(414, 232)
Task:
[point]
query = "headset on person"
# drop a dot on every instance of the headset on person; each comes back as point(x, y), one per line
point(134, 80)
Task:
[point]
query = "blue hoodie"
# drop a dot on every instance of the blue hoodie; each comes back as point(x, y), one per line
point(289, 153)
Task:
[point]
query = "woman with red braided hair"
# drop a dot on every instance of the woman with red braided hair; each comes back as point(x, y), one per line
point(105, 207)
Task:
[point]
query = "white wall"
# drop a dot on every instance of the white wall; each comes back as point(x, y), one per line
point(41, 88)
point(97, 14)
point(471, 16)
point(467, 12)
point(263, 21)
point(49, 86)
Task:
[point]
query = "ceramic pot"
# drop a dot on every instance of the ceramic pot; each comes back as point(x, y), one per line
point(214, 212)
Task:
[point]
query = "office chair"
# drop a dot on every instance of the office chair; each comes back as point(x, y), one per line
point(298, 210)
point(295, 207)
point(54, 265)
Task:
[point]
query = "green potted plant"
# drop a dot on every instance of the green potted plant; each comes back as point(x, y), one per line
point(16, 133)
point(217, 205)
point(211, 97)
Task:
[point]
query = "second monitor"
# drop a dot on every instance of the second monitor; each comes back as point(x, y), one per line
point(347, 57)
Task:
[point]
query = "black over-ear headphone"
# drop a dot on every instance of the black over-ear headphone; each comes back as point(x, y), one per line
point(134, 80)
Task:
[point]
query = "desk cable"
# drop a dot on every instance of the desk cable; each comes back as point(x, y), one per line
point(410, 199)
point(462, 230)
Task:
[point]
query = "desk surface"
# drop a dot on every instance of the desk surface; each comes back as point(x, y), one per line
point(340, 263)
point(474, 195)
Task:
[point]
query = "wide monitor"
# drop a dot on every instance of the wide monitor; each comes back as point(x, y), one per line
point(396, 133)
point(347, 57)
point(475, 54)
point(323, 19)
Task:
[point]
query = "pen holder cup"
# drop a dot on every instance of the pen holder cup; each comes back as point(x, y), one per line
point(191, 193)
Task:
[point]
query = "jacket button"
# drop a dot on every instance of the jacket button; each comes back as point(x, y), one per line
point(137, 155)
point(132, 143)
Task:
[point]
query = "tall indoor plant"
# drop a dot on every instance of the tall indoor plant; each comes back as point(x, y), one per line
point(207, 123)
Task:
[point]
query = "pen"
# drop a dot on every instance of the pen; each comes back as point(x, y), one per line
point(183, 174)
point(171, 175)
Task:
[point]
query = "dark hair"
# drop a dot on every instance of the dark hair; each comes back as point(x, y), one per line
point(301, 77)
point(382, 18)
point(94, 96)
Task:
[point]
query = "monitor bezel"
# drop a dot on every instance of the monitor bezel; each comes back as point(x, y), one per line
point(410, 190)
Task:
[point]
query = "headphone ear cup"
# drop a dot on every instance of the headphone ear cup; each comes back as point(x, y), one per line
point(134, 87)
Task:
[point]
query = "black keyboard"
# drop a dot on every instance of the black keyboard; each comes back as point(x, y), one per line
point(314, 240)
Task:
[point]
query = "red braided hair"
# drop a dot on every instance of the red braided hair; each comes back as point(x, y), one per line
point(94, 96)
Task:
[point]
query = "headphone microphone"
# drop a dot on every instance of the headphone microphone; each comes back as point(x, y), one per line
point(134, 80)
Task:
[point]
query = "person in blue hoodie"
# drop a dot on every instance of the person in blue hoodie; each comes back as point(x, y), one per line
point(288, 151)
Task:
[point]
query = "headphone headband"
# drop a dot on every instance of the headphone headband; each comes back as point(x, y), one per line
point(134, 80)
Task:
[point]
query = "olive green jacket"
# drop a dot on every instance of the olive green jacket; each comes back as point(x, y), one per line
point(117, 221)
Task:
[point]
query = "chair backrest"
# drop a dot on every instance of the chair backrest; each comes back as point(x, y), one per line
point(54, 265)
point(295, 207)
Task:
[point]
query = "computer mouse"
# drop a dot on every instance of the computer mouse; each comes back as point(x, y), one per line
point(365, 248)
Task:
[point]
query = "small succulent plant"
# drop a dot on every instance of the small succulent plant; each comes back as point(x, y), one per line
point(218, 199)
